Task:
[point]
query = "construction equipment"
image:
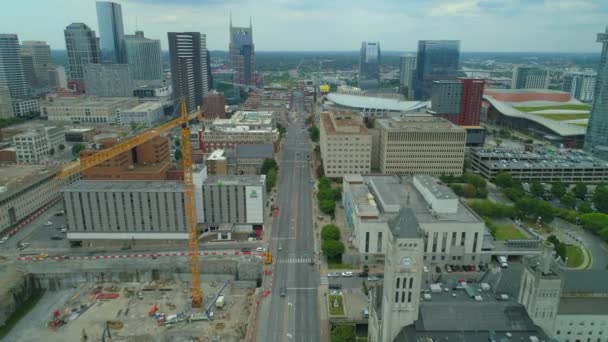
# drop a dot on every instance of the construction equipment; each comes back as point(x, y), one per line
point(268, 258)
point(153, 310)
point(115, 325)
point(127, 145)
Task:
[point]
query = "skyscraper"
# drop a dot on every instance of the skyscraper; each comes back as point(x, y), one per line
point(437, 60)
point(525, 77)
point(27, 61)
point(458, 100)
point(11, 67)
point(596, 140)
point(6, 104)
point(190, 72)
point(407, 68)
point(369, 65)
point(41, 57)
point(111, 32)
point(580, 84)
point(82, 48)
point(144, 57)
point(242, 53)
point(108, 80)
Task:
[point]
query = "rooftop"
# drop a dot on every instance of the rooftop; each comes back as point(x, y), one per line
point(435, 187)
point(367, 102)
point(18, 177)
point(343, 123)
point(217, 155)
point(418, 123)
point(585, 281)
point(123, 185)
point(89, 101)
point(583, 306)
point(541, 158)
point(144, 107)
point(254, 150)
point(235, 180)
point(405, 225)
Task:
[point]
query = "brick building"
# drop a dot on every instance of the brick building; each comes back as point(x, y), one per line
point(214, 105)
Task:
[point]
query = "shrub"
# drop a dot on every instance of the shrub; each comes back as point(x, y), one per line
point(330, 232)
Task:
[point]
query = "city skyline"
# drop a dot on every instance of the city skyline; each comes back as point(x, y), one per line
point(549, 26)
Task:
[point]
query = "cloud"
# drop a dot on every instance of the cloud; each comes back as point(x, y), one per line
point(449, 8)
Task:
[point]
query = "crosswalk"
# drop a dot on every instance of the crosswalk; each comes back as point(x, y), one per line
point(294, 261)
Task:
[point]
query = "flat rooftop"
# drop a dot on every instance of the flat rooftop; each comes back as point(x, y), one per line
point(395, 191)
point(545, 158)
point(438, 189)
point(120, 185)
point(234, 180)
point(351, 123)
point(587, 306)
point(18, 177)
point(88, 101)
point(144, 106)
point(418, 123)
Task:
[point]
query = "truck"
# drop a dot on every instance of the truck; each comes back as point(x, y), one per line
point(201, 316)
point(220, 302)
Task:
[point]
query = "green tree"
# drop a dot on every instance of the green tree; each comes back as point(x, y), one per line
point(267, 165)
point(560, 247)
point(594, 221)
point(178, 154)
point(514, 193)
point(343, 333)
point(558, 189)
point(61, 147)
point(271, 179)
point(333, 249)
point(177, 142)
point(568, 200)
point(328, 207)
point(476, 180)
point(537, 189)
point(534, 208)
point(469, 191)
point(585, 208)
point(324, 183)
point(77, 148)
point(504, 179)
point(458, 189)
point(330, 232)
point(314, 133)
point(604, 234)
point(600, 198)
point(580, 191)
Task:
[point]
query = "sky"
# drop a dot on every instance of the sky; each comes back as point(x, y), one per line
point(335, 25)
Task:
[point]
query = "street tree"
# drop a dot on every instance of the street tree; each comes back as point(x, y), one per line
point(504, 179)
point(333, 249)
point(568, 200)
point(537, 189)
point(580, 191)
point(558, 189)
point(330, 232)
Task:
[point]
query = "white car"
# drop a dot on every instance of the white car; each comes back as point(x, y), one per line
point(334, 292)
point(48, 223)
point(333, 275)
point(4, 239)
point(261, 249)
point(425, 269)
point(64, 230)
point(347, 274)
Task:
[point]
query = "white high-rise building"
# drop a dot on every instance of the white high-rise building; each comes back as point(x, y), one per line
point(6, 104)
point(525, 77)
point(11, 67)
point(580, 84)
point(144, 58)
point(407, 68)
point(40, 52)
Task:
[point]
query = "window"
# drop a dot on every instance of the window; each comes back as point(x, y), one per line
point(379, 246)
point(366, 242)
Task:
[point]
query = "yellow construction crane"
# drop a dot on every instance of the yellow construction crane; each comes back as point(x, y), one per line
point(125, 146)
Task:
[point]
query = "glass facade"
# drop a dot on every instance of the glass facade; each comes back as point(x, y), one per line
point(242, 54)
point(144, 57)
point(436, 60)
point(369, 65)
point(596, 140)
point(82, 48)
point(11, 68)
point(111, 32)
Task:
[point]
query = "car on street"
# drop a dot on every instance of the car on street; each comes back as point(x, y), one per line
point(334, 286)
point(260, 249)
point(246, 249)
point(347, 274)
point(23, 245)
point(4, 239)
point(60, 213)
point(373, 278)
point(48, 223)
point(335, 292)
point(283, 291)
point(56, 237)
point(425, 269)
point(333, 275)
point(64, 230)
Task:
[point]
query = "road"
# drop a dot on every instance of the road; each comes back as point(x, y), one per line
point(294, 317)
point(598, 249)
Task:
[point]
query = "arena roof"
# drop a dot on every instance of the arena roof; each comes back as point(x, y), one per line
point(365, 102)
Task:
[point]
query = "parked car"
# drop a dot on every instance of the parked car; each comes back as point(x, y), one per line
point(333, 275)
point(245, 249)
point(373, 278)
point(48, 223)
point(347, 274)
point(64, 230)
point(260, 249)
point(335, 292)
point(4, 239)
point(335, 286)
point(23, 245)
point(283, 291)
point(425, 269)
point(60, 213)
point(56, 237)
point(365, 312)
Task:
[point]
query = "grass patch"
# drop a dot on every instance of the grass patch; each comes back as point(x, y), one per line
point(340, 266)
point(575, 256)
point(566, 106)
point(582, 124)
point(336, 310)
point(508, 232)
point(564, 117)
point(22, 310)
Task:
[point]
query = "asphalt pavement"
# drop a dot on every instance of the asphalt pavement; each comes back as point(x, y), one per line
point(294, 317)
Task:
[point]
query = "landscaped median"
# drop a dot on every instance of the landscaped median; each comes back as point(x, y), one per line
point(335, 303)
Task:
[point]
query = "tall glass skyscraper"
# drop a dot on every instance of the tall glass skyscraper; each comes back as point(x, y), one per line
point(596, 140)
point(82, 48)
point(437, 60)
point(11, 67)
point(144, 57)
point(111, 32)
point(369, 65)
point(242, 53)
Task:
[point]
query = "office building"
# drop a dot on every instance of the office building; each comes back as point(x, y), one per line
point(80, 134)
point(11, 68)
point(407, 70)
point(453, 233)
point(82, 48)
point(27, 188)
point(234, 203)
point(543, 165)
point(42, 61)
point(6, 103)
point(146, 114)
point(420, 145)
point(369, 65)
point(144, 58)
point(596, 140)
point(86, 109)
point(111, 32)
point(57, 77)
point(214, 105)
point(244, 159)
point(346, 144)
point(436, 60)
point(190, 70)
point(242, 54)
point(108, 80)
point(526, 77)
point(580, 84)
point(25, 107)
point(27, 61)
point(36, 145)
